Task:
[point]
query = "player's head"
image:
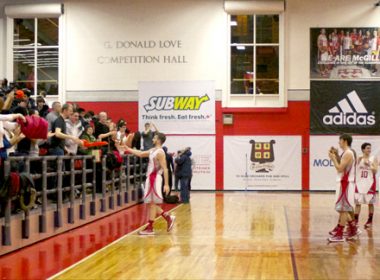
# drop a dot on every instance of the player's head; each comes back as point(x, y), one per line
point(159, 138)
point(345, 140)
point(366, 148)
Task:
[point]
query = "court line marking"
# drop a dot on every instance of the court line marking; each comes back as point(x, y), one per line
point(292, 256)
point(105, 247)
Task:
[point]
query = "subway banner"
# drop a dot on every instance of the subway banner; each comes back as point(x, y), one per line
point(345, 107)
point(203, 158)
point(322, 171)
point(178, 107)
point(345, 53)
point(262, 163)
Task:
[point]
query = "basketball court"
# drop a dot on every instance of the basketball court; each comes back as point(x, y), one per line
point(243, 235)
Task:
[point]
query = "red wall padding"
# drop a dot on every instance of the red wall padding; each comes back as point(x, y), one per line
point(293, 120)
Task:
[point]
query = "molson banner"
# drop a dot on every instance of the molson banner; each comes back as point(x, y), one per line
point(345, 53)
point(345, 107)
point(322, 170)
point(262, 162)
point(186, 107)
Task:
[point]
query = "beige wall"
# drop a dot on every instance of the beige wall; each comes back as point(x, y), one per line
point(301, 15)
point(202, 28)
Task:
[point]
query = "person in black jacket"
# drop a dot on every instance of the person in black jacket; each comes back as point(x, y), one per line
point(184, 172)
point(170, 166)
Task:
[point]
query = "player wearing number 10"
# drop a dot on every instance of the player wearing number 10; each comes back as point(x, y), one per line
point(365, 192)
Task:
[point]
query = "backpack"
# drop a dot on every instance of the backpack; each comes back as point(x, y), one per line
point(113, 160)
point(171, 199)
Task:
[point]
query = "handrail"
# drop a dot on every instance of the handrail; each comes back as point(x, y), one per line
point(58, 183)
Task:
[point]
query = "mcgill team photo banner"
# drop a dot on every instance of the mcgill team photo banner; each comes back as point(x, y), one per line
point(262, 163)
point(178, 107)
point(345, 107)
point(322, 170)
point(345, 53)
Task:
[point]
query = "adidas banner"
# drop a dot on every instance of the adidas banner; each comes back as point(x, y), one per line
point(345, 107)
point(262, 163)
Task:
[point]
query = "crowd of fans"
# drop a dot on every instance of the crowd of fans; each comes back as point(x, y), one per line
point(71, 129)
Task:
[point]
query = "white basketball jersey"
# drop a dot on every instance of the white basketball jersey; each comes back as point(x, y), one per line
point(349, 172)
point(154, 165)
point(364, 176)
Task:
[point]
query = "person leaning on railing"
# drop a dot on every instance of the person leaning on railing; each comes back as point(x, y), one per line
point(90, 138)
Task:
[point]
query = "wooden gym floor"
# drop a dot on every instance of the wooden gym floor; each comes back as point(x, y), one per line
point(241, 235)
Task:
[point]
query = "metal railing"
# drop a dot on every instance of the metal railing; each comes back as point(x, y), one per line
point(57, 182)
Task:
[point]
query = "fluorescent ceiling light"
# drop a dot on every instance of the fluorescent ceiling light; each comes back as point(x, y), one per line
point(233, 23)
point(240, 48)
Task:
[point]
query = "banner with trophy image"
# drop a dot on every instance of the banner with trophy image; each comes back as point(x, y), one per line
point(262, 163)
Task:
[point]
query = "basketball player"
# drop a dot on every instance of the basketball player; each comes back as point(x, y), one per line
point(345, 190)
point(153, 184)
point(323, 54)
point(365, 192)
point(347, 44)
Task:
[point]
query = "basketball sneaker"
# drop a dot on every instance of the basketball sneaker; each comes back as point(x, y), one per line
point(334, 231)
point(170, 222)
point(368, 225)
point(147, 231)
point(352, 232)
point(338, 236)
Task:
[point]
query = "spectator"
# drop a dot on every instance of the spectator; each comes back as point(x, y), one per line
point(136, 140)
point(170, 166)
point(89, 137)
point(20, 100)
point(121, 137)
point(7, 137)
point(82, 113)
point(43, 94)
point(101, 126)
point(74, 128)
point(109, 131)
point(57, 145)
point(184, 173)
point(54, 114)
point(148, 135)
point(42, 108)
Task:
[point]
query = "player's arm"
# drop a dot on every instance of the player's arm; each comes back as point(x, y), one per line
point(374, 166)
point(162, 160)
point(138, 153)
point(154, 127)
point(359, 159)
point(59, 134)
point(344, 162)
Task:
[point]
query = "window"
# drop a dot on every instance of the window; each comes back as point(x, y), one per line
point(36, 54)
point(255, 55)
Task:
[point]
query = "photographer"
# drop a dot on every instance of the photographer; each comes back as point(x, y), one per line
point(184, 172)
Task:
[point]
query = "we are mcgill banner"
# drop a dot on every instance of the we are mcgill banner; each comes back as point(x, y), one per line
point(178, 107)
point(345, 107)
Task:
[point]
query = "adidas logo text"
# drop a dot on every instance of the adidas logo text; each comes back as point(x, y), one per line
point(349, 111)
point(349, 119)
